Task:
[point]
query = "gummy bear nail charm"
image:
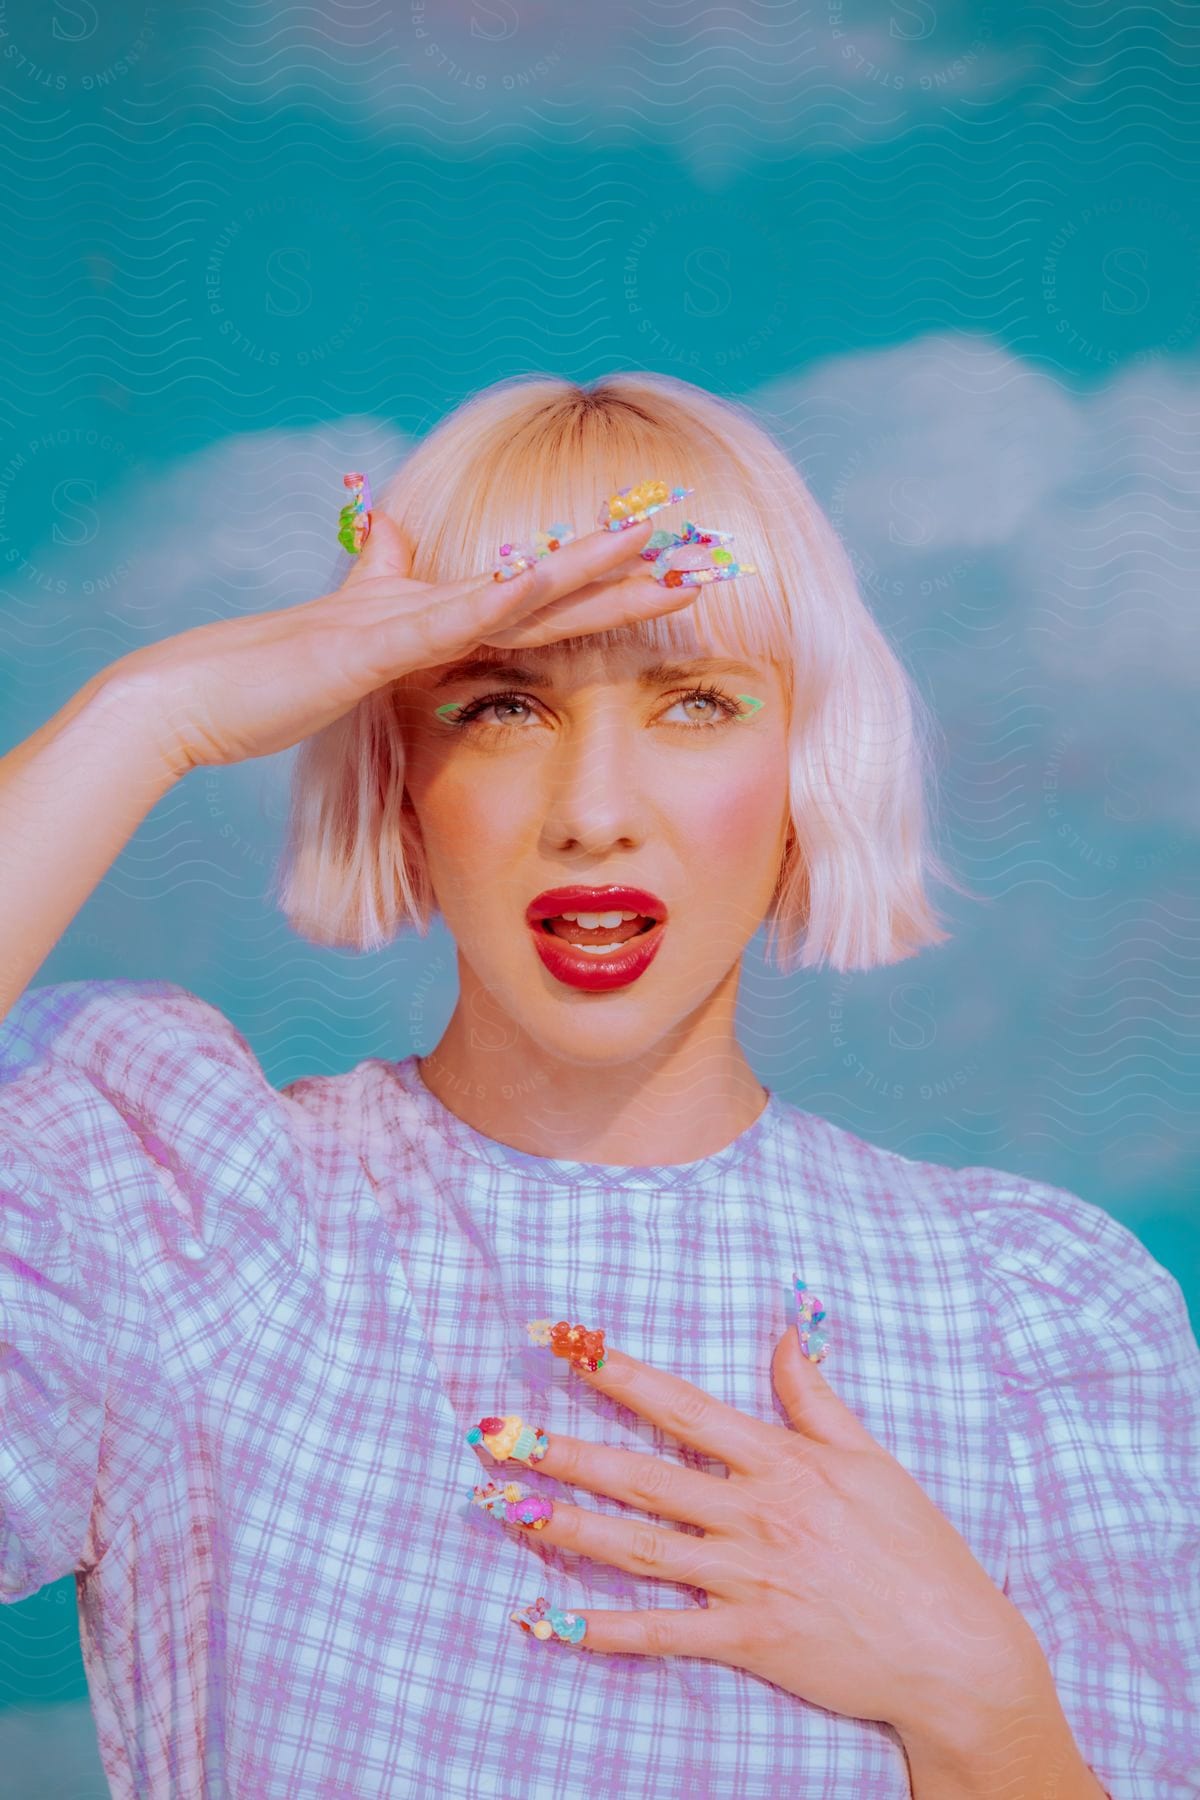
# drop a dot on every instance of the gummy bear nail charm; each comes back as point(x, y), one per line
point(510, 1438)
point(544, 1621)
point(354, 520)
point(583, 1348)
point(809, 1314)
point(514, 1504)
point(631, 505)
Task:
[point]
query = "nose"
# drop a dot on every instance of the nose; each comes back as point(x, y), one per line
point(593, 788)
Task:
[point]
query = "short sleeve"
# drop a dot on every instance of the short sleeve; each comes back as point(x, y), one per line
point(81, 1387)
point(53, 1375)
point(1098, 1372)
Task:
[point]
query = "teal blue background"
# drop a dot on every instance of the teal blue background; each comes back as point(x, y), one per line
point(950, 254)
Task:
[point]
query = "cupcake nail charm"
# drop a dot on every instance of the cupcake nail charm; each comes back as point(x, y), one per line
point(510, 1438)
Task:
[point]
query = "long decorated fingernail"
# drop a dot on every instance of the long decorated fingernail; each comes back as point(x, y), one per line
point(544, 1621)
point(693, 557)
point(510, 1439)
point(584, 1349)
point(515, 558)
point(354, 520)
point(514, 1504)
point(809, 1314)
point(631, 505)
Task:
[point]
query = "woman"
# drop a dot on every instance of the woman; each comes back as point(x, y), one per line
point(263, 1345)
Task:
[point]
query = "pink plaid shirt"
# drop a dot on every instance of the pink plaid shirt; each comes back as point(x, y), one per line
point(244, 1331)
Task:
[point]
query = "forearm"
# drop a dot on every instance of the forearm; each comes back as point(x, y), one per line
point(1001, 1740)
point(71, 796)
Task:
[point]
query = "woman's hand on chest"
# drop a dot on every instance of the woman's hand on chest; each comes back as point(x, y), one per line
point(828, 1569)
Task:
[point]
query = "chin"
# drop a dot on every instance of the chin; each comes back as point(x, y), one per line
point(609, 1049)
point(602, 1030)
point(587, 1027)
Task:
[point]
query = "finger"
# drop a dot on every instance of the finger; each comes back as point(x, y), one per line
point(746, 1445)
point(815, 1408)
point(678, 1631)
point(456, 615)
point(599, 555)
point(648, 1482)
point(388, 551)
point(653, 1551)
point(598, 607)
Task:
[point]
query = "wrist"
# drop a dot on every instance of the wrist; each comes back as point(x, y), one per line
point(997, 1734)
point(132, 704)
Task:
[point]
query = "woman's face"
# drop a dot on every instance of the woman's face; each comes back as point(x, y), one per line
point(592, 769)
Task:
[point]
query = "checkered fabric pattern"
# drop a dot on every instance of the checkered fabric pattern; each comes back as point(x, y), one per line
point(244, 1331)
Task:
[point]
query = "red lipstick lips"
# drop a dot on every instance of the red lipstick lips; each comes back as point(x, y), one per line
point(586, 969)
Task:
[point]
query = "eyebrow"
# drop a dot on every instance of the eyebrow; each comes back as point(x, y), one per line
point(483, 668)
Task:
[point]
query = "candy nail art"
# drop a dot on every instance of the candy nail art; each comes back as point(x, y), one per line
point(809, 1314)
point(693, 557)
point(515, 558)
point(584, 1349)
point(543, 1621)
point(514, 1504)
point(510, 1439)
point(354, 520)
point(631, 505)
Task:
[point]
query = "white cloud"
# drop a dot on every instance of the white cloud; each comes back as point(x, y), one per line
point(946, 442)
point(1081, 507)
point(724, 84)
point(248, 524)
point(1113, 560)
point(1031, 548)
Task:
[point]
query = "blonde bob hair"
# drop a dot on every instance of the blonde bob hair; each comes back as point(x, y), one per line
point(536, 449)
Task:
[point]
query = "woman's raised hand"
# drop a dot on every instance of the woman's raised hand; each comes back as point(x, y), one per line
point(249, 687)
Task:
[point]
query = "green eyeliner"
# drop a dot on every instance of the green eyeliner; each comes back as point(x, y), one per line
point(751, 702)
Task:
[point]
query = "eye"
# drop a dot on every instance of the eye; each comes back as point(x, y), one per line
point(507, 710)
point(511, 711)
point(714, 707)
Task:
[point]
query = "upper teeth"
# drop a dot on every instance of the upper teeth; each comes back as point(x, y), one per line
point(591, 921)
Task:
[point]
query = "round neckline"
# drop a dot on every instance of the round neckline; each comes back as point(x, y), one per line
point(463, 1139)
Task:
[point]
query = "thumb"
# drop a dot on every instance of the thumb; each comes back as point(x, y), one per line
point(812, 1405)
point(798, 1382)
point(387, 551)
